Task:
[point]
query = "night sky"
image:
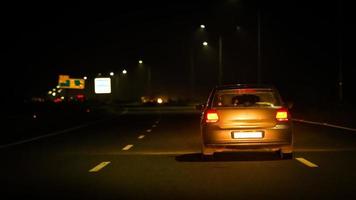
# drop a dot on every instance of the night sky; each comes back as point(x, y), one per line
point(301, 44)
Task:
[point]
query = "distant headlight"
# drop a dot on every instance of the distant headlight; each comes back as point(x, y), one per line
point(159, 100)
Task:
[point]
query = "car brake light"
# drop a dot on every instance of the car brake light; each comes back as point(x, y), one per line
point(282, 115)
point(211, 116)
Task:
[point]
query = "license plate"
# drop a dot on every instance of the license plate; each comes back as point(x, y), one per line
point(247, 135)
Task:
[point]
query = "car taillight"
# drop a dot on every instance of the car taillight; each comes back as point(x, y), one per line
point(282, 115)
point(211, 116)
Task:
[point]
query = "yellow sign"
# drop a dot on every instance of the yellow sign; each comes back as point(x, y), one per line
point(70, 83)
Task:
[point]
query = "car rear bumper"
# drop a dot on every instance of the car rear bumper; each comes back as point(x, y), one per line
point(251, 147)
point(278, 137)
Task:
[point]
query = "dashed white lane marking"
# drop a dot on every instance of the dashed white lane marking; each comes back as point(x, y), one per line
point(153, 153)
point(127, 147)
point(154, 126)
point(148, 130)
point(99, 167)
point(141, 137)
point(148, 153)
point(157, 122)
point(306, 162)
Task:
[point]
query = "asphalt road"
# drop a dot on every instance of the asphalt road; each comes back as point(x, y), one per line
point(155, 154)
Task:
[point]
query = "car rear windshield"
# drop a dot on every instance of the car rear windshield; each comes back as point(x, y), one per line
point(246, 98)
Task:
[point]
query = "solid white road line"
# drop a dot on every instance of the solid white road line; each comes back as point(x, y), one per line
point(44, 136)
point(57, 132)
point(324, 149)
point(306, 162)
point(127, 147)
point(325, 124)
point(141, 136)
point(99, 167)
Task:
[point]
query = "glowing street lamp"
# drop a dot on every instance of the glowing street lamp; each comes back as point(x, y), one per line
point(85, 78)
point(111, 73)
point(220, 71)
point(124, 71)
point(140, 61)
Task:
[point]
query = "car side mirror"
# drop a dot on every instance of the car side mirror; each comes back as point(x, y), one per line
point(200, 107)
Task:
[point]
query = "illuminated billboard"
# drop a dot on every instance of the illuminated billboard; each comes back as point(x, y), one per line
point(66, 82)
point(102, 85)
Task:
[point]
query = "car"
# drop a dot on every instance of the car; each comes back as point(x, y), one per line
point(246, 117)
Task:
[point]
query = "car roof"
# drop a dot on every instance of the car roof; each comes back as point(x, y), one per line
point(244, 86)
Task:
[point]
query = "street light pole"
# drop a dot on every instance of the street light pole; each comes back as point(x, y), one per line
point(341, 95)
point(259, 46)
point(220, 61)
point(220, 58)
point(192, 73)
point(149, 80)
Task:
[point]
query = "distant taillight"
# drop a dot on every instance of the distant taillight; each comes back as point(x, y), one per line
point(211, 116)
point(282, 115)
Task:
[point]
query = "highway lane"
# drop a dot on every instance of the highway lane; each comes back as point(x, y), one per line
point(156, 154)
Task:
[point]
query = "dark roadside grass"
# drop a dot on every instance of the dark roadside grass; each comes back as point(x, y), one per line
point(25, 121)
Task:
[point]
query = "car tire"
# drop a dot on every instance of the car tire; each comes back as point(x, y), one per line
point(207, 153)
